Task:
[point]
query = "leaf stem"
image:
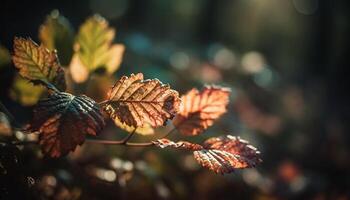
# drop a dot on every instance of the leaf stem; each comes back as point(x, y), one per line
point(103, 102)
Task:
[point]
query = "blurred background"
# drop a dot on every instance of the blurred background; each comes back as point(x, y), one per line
point(285, 62)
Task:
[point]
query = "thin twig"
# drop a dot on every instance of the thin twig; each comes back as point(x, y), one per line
point(103, 102)
point(119, 142)
point(128, 137)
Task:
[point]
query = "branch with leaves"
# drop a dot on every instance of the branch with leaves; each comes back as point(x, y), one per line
point(63, 120)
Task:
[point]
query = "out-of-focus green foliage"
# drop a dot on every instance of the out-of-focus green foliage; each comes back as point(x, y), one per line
point(56, 33)
point(5, 57)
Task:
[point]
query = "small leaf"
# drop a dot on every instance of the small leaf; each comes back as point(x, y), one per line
point(37, 63)
point(220, 154)
point(5, 126)
point(57, 33)
point(226, 153)
point(5, 57)
point(25, 92)
point(94, 47)
point(137, 102)
point(199, 110)
point(63, 120)
point(144, 130)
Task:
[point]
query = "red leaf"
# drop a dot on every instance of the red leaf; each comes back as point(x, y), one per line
point(199, 110)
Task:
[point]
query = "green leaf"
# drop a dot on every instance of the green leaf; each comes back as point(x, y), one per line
point(57, 33)
point(37, 63)
point(5, 57)
point(25, 92)
point(94, 45)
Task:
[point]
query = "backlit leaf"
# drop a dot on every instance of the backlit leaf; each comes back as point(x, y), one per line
point(145, 130)
point(25, 92)
point(226, 153)
point(63, 120)
point(56, 33)
point(94, 47)
point(137, 102)
point(199, 110)
point(220, 154)
point(38, 63)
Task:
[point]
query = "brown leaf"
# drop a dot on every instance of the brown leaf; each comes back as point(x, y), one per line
point(199, 110)
point(220, 154)
point(63, 120)
point(37, 63)
point(136, 102)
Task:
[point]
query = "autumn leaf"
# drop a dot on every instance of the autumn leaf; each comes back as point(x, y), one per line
point(220, 154)
point(137, 102)
point(38, 63)
point(57, 33)
point(146, 129)
point(94, 47)
point(25, 92)
point(63, 120)
point(199, 110)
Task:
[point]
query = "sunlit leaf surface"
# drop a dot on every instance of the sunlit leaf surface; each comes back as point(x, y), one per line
point(220, 154)
point(199, 109)
point(137, 102)
point(38, 63)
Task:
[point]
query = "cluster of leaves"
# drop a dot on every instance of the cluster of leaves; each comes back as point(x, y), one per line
point(136, 105)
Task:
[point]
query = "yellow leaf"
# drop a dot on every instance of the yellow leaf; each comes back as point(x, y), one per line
point(38, 63)
point(56, 33)
point(24, 92)
point(94, 48)
point(145, 130)
point(116, 57)
point(77, 70)
point(137, 102)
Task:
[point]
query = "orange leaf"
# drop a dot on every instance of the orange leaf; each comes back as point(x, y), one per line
point(136, 102)
point(220, 154)
point(199, 110)
point(63, 120)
